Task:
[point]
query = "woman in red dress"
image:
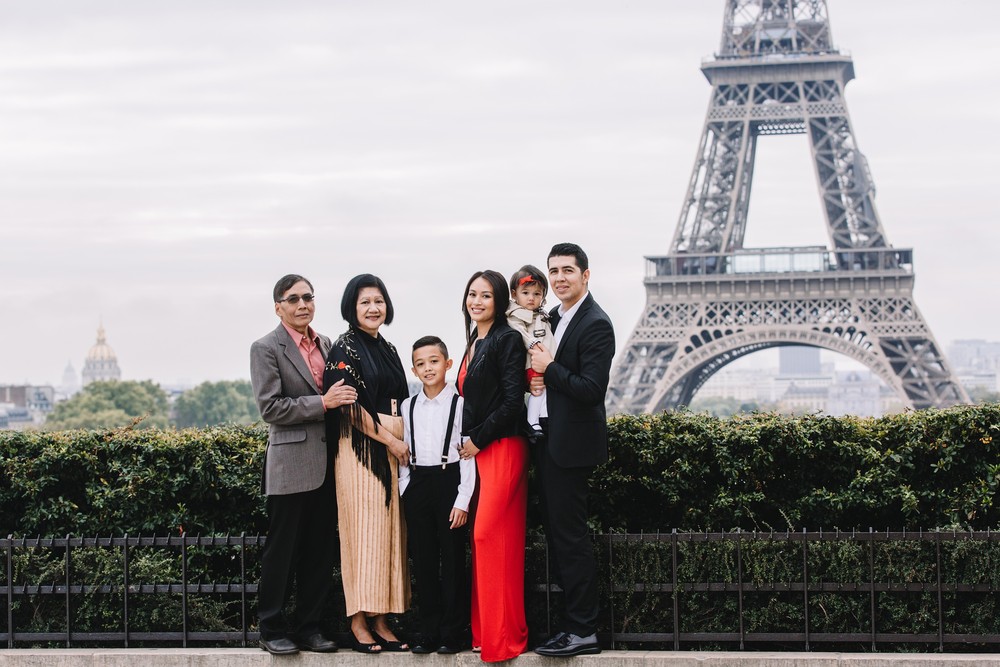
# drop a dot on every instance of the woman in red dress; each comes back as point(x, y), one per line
point(492, 381)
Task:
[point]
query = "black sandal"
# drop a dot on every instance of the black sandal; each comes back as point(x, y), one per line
point(359, 647)
point(394, 646)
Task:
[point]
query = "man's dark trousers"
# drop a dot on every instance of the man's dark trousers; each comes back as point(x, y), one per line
point(564, 496)
point(302, 544)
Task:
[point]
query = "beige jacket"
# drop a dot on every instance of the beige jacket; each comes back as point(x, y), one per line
point(533, 325)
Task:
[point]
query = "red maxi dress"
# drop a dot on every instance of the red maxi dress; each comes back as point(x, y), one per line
point(498, 535)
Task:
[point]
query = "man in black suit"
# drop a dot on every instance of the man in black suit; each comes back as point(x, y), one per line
point(575, 377)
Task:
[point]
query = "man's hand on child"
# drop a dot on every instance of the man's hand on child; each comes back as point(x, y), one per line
point(457, 517)
point(540, 358)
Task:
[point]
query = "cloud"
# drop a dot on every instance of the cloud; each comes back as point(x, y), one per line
point(164, 163)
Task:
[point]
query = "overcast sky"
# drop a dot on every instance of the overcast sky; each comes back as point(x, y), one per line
point(163, 163)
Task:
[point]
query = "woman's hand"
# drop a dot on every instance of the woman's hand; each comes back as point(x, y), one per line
point(399, 449)
point(468, 450)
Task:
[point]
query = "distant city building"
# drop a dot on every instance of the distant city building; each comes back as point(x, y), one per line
point(803, 399)
point(975, 355)
point(25, 406)
point(101, 362)
point(855, 393)
point(13, 418)
point(976, 363)
point(804, 385)
point(744, 384)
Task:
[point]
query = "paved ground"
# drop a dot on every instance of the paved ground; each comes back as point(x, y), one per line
point(257, 658)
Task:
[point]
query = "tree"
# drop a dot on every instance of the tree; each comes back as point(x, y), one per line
point(718, 406)
point(212, 403)
point(109, 404)
point(982, 395)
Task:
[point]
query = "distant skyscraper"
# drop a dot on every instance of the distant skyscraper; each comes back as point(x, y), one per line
point(101, 362)
point(798, 360)
point(70, 381)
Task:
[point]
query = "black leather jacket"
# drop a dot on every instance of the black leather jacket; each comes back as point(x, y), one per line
point(494, 387)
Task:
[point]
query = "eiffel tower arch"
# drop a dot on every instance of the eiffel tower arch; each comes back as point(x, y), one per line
point(711, 301)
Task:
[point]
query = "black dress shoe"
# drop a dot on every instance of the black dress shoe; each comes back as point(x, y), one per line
point(425, 646)
point(448, 649)
point(317, 643)
point(569, 645)
point(553, 639)
point(279, 646)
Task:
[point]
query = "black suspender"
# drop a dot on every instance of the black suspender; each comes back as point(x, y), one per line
point(447, 435)
point(413, 433)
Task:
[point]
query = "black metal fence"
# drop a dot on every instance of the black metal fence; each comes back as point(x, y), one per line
point(766, 589)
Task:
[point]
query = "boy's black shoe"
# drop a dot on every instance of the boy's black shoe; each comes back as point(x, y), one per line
point(317, 643)
point(449, 650)
point(426, 645)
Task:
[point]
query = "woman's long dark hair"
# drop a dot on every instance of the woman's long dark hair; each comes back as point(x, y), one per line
point(501, 299)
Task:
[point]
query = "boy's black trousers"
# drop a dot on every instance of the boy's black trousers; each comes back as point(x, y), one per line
point(438, 553)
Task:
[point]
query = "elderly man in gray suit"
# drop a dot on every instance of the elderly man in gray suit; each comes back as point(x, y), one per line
point(286, 370)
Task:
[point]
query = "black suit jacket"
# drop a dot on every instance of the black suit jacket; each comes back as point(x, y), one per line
point(576, 383)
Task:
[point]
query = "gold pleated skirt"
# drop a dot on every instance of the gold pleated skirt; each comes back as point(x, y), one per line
point(372, 536)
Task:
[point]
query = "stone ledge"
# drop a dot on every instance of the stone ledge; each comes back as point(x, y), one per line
point(257, 658)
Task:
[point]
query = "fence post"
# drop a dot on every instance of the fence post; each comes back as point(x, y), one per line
point(125, 555)
point(184, 590)
point(673, 569)
point(69, 565)
point(739, 584)
point(805, 583)
point(611, 587)
point(937, 549)
point(871, 573)
point(243, 585)
point(10, 591)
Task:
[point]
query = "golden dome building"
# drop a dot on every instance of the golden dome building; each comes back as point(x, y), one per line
point(101, 362)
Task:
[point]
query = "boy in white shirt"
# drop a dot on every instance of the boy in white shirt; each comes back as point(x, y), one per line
point(436, 488)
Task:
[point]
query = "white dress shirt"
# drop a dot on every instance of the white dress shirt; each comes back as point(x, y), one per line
point(430, 416)
point(565, 316)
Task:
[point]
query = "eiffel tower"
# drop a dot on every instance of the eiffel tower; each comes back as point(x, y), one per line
point(711, 301)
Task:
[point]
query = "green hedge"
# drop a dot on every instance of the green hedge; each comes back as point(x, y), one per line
point(675, 470)
point(135, 481)
point(680, 470)
point(922, 469)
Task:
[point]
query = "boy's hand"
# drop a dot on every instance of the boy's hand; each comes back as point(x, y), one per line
point(457, 517)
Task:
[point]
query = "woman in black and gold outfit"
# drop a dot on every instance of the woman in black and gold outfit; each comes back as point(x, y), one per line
point(370, 448)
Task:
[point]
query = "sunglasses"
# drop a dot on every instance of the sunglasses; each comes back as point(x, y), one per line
point(294, 298)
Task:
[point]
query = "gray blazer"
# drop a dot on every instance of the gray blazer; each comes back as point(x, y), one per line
point(292, 406)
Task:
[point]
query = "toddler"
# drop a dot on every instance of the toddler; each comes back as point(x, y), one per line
point(528, 288)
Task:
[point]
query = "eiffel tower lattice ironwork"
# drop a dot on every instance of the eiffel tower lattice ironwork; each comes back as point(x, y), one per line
point(711, 301)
